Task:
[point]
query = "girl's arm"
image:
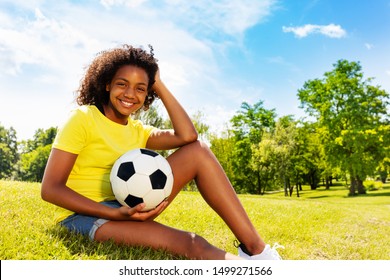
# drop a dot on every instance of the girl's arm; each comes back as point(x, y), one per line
point(183, 131)
point(54, 190)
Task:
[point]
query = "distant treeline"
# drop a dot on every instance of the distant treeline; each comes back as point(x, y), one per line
point(347, 138)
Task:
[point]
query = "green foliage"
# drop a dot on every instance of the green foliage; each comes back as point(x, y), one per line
point(252, 121)
point(249, 126)
point(263, 161)
point(8, 152)
point(312, 158)
point(351, 117)
point(41, 138)
point(25, 160)
point(201, 127)
point(33, 164)
point(151, 116)
point(316, 226)
point(223, 148)
point(35, 153)
point(272, 157)
point(286, 152)
point(373, 185)
point(350, 138)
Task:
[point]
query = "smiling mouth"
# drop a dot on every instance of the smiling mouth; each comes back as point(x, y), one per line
point(126, 103)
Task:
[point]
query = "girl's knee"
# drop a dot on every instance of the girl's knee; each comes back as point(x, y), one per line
point(198, 247)
point(198, 147)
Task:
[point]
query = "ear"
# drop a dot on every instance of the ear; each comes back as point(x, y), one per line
point(108, 87)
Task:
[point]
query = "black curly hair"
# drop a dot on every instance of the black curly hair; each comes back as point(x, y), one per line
point(92, 89)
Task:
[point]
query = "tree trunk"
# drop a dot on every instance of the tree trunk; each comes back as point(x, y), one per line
point(327, 183)
point(291, 188)
point(352, 187)
point(258, 182)
point(360, 187)
point(298, 186)
point(356, 185)
point(285, 186)
point(313, 184)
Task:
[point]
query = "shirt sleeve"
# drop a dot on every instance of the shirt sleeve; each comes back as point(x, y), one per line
point(145, 131)
point(72, 136)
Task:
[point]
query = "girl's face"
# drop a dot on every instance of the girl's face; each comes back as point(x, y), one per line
point(128, 90)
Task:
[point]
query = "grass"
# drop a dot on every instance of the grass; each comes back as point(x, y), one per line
point(320, 225)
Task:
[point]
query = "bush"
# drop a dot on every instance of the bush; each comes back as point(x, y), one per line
point(373, 185)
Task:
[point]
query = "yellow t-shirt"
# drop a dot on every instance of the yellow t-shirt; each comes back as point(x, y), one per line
point(98, 142)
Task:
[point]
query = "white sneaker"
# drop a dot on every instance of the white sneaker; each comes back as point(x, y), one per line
point(267, 254)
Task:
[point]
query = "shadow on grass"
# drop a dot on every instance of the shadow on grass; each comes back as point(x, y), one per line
point(375, 193)
point(81, 247)
point(320, 196)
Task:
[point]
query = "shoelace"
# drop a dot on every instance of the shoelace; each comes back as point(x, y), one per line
point(277, 246)
point(274, 248)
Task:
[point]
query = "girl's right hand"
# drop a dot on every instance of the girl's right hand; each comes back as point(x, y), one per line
point(135, 213)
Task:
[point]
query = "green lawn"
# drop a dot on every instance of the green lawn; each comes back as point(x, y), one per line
point(320, 225)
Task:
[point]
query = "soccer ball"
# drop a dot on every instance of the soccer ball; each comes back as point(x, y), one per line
point(141, 175)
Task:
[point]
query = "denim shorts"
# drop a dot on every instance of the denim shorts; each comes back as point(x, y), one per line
point(87, 225)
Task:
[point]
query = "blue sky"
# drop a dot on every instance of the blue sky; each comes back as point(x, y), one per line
point(213, 55)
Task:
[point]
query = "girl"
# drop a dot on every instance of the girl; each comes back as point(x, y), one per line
point(118, 83)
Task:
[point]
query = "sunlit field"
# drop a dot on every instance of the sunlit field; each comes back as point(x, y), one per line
point(319, 225)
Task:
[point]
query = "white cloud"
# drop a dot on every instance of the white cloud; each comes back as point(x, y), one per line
point(71, 33)
point(44, 48)
point(129, 3)
point(368, 46)
point(40, 41)
point(231, 17)
point(330, 30)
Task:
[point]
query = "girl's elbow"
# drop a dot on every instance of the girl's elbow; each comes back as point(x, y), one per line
point(192, 137)
point(46, 192)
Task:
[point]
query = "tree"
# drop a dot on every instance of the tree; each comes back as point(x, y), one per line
point(33, 164)
point(285, 153)
point(252, 121)
point(263, 163)
point(35, 153)
point(150, 116)
point(8, 151)
point(41, 138)
point(351, 115)
point(201, 127)
point(312, 154)
point(223, 148)
point(285, 157)
point(249, 125)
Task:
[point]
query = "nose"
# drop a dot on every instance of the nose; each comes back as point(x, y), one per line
point(129, 93)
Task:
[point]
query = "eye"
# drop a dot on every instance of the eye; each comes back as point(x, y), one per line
point(141, 89)
point(120, 84)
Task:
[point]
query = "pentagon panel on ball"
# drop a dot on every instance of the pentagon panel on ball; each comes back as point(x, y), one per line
point(141, 176)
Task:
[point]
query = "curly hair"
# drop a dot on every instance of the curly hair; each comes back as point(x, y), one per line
point(92, 89)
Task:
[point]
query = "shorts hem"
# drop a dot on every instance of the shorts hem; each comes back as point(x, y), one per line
point(96, 225)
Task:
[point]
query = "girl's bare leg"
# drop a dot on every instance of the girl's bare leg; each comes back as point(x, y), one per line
point(193, 161)
point(158, 236)
point(196, 161)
